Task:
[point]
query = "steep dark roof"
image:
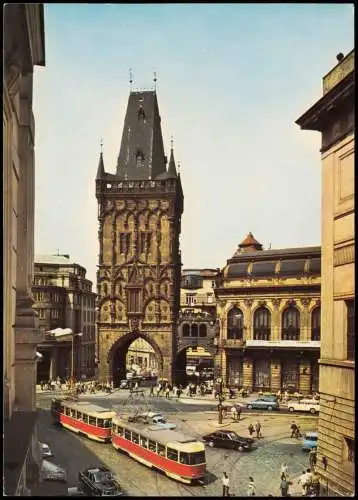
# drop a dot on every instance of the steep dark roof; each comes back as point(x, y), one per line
point(100, 170)
point(172, 171)
point(141, 155)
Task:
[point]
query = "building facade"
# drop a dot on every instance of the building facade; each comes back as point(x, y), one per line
point(23, 49)
point(139, 214)
point(333, 116)
point(197, 322)
point(64, 299)
point(268, 312)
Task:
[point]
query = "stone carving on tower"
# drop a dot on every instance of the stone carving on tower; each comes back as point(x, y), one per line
point(139, 265)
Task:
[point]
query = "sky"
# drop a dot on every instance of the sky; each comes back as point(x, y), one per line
point(232, 80)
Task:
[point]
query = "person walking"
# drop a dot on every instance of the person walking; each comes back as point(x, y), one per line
point(251, 429)
point(258, 428)
point(302, 481)
point(226, 485)
point(316, 487)
point(251, 488)
point(151, 392)
point(238, 409)
point(284, 470)
point(284, 485)
point(294, 429)
point(234, 413)
point(313, 458)
point(167, 391)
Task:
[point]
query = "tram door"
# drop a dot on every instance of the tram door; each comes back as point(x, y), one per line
point(290, 376)
point(262, 374)
point(235, 375)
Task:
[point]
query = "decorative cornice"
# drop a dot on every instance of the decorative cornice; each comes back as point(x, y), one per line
point(344, 255)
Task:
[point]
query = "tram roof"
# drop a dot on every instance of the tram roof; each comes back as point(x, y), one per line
point(161, 435)
point(90, 408)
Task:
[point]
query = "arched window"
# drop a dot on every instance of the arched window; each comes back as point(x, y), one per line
point(186, 330)
point(262, 324)
point(202, 331)
point(291, 324)
point(194, 330)
point(316, 324)
point(235, 324)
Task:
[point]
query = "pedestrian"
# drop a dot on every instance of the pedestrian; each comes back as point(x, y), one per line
point(234, 413)
point(258, 428)
point(167, 391)
point(302, 481)
point(151, 392)
point(294, 429)
point(316, 484)
point(179, 391)
point(158, 390)
point(238, 409)
point(284, 486)
point(226, 485)
point(284, 470)
point(251, 429)
point(313, 458)
point(251, 488)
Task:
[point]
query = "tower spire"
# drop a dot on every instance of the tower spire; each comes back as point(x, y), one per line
point(100, 170)
point(155, 80)
point(172, 171)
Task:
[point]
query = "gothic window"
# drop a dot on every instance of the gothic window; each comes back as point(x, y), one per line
point(134, 305)
point(350, 330)
point(139, 159)
point(186, 330)
point(235, 324)
point(316, 324)
point(124, 242)
point(194, 330)
point(262, 324)
point(291, 324)
point(145, 240)
point(202, 331)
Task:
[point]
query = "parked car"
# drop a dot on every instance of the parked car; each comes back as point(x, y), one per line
point(125, 384)
point(228, 439)
point(306, 405)
point(45, 450)
point(52, 472)
point(149, 417)
point(264, 403)
point(163, 426)
point(99, 481)
point(309, 441)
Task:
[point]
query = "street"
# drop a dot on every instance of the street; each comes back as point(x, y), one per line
point(263, 463)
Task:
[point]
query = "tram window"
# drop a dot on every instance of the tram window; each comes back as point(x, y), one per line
point(92, 420)
point(100, 422)
point(161, 450)
point(172, 454)
point(184, 458)
point(79, 416)
point(144, 442)
point(85, 418)
point(73, 413)
point(119, 430)
point(152, 446)
point(197, 458)
point(127, 434)
point(107, 423)
point(68, 412)
point(62, 409)
point(135, 437)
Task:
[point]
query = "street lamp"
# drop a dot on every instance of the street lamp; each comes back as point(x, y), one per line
point(221, 399)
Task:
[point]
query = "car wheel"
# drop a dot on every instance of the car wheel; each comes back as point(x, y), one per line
point(313, 411)
point(291, 409)
point(249, 407)
point(269, 408)
point(211, 444)
point(240, 448)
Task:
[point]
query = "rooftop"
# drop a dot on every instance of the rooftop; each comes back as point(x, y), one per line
point(53, 259)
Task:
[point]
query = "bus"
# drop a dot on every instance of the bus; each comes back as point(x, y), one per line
point(180, 457)
point(84, 418)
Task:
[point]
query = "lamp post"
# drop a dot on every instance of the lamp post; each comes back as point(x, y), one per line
point(73, 355)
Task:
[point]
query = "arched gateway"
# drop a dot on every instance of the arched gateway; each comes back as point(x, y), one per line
point(139, 212)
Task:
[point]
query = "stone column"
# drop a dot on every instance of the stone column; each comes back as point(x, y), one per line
point(247, 369)
point(276, 320)
point(275, 374)
point(305, 376)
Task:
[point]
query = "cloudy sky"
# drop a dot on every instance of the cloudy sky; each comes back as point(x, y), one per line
point(232, 80)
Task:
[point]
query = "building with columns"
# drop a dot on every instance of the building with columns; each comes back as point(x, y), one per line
point(64, 299)
point(23, 49)
point(268, 313)
point(333, 116)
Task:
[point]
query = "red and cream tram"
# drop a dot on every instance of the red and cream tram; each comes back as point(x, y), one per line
point(84, 418)
point(180, 457)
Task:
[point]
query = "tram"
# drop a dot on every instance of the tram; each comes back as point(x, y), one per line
point(180, 457)
point(81, 417)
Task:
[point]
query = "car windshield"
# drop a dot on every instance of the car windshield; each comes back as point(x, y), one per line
point(232, 435)
point(101, 476)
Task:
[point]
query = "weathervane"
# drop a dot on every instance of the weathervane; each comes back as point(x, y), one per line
point(155, 80)
point(171, 142)
point(101, 146)
point(130, 79)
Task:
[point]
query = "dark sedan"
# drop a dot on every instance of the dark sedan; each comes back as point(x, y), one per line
point(228, 439)
point(99, 481)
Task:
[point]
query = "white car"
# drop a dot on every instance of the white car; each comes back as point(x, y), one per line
point(45, 450)
point(306, 405)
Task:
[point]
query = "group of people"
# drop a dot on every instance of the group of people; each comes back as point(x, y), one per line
point(308, 480)
point(295, 430)
point(166, 389)
point(257, 428)
point(251, 488)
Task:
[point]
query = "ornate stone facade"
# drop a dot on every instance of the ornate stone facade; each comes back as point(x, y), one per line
point(138, 278)
point(269, 318)
point(23, 49)
point(333, 116)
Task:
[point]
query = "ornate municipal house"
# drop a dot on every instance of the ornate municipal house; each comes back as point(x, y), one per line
point(268, 310)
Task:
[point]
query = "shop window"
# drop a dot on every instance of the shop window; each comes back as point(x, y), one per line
point(316, 324)
point(291, 324)
point(172, 454)
point(262, 324)
point(235, 324)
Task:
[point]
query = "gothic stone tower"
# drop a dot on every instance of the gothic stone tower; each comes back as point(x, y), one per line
point(139, 214)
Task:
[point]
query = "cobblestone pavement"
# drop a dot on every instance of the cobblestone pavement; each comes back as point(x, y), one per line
point(75, 453)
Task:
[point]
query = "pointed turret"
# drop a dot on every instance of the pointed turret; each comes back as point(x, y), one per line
point(141, 155)
point(249, 244)
point(100, 170)
point(172, 171)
